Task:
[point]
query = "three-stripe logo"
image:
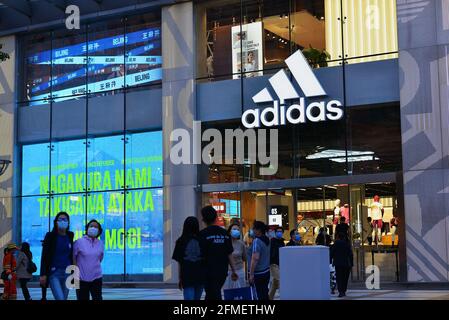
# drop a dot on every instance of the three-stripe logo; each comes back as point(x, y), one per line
point(285, 90)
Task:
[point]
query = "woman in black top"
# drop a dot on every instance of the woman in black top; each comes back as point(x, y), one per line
point(57, 255)
point(189, 255)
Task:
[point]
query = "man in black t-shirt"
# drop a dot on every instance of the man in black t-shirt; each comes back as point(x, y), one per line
point(217, 250)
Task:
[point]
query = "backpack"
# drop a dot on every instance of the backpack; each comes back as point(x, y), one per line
point(31, 267)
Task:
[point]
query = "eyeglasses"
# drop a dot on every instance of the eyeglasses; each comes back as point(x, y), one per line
point(63, 219)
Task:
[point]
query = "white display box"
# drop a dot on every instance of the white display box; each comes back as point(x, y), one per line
point(304, 273)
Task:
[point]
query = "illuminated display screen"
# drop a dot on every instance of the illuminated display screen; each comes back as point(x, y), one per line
point(132, 221)
point(102, 60)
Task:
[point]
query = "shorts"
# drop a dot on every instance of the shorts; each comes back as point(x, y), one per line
point(377, 223)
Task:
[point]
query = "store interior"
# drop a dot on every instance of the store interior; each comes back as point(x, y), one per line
point(309, 209)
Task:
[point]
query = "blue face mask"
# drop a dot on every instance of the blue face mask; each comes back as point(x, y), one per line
point(63, 224)
point(279, 234)
point(251, 233)
point(235, 233)
point(297, 237)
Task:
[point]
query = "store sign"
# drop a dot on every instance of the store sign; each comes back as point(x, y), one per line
point(278, 216)
point(279, 113)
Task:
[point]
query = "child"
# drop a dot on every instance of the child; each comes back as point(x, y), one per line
point(9, 267)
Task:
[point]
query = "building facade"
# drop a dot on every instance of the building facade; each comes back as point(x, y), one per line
point(88, 115)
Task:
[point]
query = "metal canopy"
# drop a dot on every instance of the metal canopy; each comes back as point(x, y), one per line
point(25, 15)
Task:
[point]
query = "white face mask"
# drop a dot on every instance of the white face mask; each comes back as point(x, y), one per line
point(92, 232)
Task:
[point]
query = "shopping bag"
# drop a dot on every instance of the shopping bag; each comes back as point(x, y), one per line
point(244, 293)
point(333, 278)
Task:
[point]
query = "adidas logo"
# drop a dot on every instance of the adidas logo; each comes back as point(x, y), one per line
point(279, 114)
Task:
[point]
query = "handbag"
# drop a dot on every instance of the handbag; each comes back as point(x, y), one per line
point(4, 275)
point(31, 267)
point(240, 293)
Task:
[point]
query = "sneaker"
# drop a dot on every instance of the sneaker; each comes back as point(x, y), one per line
point(341, 295)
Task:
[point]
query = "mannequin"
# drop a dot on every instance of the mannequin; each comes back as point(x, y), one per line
point(376, 214)
point(336, 217)
point(393, 226)
point(344, 212)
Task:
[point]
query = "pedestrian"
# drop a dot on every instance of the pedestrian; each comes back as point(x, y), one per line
point(9, 272)
point(342, 259)
point(343, 227)
point(57, 255)
point(44, 286)
point(88, 253)
point(394, 222)
point(323, 239)
point(275, 244)
point(217, 254)
point(239, 256)
point(24, 260)
point(295, 238)
point(259, 274)
point(370, 231)
point(189, 255)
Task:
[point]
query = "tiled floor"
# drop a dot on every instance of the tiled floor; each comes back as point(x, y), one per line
point(175, 294)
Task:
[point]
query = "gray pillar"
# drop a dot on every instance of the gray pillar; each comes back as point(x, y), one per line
point(178, 111)
point(423, 33)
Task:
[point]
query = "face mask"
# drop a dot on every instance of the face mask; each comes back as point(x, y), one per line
point(297, 237)
point(251, 233)
point(235, 233)
point(271, 234)
point(279, 234)
point(92, 232)
point(63, 224)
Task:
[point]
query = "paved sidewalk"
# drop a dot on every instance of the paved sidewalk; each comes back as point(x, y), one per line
point(175, 294)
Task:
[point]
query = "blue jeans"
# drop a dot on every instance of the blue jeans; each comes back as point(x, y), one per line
point(57, 284)
point(192, 293)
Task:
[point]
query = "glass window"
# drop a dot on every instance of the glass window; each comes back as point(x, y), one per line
point(68, 166)
point(143, 59)
point(144, 231)
point(369, 29)
point(322, 148)
point(37, 67)
point(218, 38)
point(68, 64)
point(36, 169)
point(144, 159)
point(35, 224)
point(374, 139)
point(316, 30)
point(106, 49)
point(105, 164)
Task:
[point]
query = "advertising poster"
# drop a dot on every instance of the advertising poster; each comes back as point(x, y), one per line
point(247, 50)
point(132, 221)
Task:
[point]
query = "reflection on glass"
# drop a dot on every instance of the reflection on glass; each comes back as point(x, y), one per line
point(143, 59)
point(35, 224)
point(37, 70)
point(35, 169)
point(144, 159)
point(105, 164)
point(68, 166)
point(370, 28)
point(144, 231)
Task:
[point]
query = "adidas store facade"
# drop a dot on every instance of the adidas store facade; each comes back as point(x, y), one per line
point(357, 95)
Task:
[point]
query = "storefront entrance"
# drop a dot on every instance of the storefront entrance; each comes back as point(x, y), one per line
point(309, 209)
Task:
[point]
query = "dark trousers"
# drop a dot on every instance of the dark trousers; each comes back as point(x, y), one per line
point(24, 286)
point(92, 288)
point(213, 286)
point(261, 282)
point(342, 274)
